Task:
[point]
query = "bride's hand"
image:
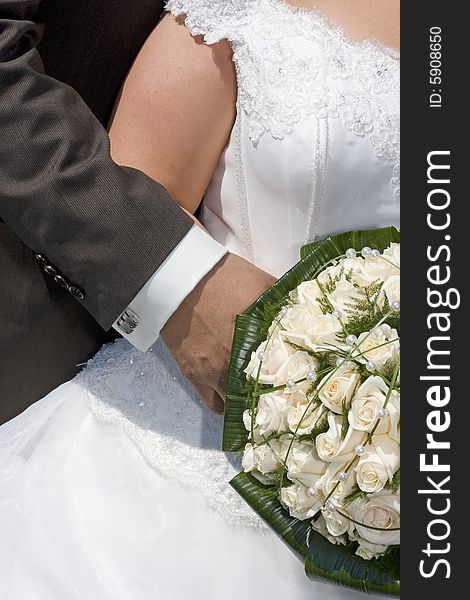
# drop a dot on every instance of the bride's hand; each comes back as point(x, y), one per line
point(199, 334)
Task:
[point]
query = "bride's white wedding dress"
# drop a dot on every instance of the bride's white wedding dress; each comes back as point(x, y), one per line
point(113, 486)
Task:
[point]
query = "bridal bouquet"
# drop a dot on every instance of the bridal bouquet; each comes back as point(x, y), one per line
point(313, 404)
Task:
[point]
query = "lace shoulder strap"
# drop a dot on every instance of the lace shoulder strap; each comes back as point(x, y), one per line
point(214, 19)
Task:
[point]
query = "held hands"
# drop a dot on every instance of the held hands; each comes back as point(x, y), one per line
point(199, 334)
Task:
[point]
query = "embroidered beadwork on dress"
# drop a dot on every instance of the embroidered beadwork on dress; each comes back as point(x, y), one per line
point(318, 190)
point(291, 61)
point(214, 19)
point(146, 396)
point(242, 196)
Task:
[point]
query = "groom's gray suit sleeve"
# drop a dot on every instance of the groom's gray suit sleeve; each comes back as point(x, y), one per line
point(105, 228)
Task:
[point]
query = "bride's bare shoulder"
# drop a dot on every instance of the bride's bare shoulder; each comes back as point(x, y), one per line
point(176, 110)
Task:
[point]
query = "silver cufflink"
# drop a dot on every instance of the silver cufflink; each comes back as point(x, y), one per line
point(127, 322)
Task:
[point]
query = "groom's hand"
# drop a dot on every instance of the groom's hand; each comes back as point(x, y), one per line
point(199, 334)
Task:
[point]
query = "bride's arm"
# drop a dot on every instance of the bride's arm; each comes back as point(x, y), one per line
point(176, 111)
point(172, 121)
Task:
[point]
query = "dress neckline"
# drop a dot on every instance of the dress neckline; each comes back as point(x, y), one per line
point(316, 16)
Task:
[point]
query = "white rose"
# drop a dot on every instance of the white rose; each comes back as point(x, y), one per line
point(331, 447)
point(260, 457)
point(336, 524)
point(375, 269)
point(330, 482)
point(298, 322)
point(271, 416)
point(368, 400)
point(391, 289)
point(308, 293)
point(303, 464)
point(296, 368)
point(322, 332)
point(299, 504)
point(319, 525)
point(247, 422)
point(329, 274)
point(341, 269)
point(367, 551)
point(297, 396)
point(260, 460)
point(280, 446)
point(276, 356)
point(338, 387)
point(381, 345)
point(302, 418)
point(247, 419)
point(392, 253)
point(250, 462)
point(382, 511)
point(378, 465)
point(274, 329)
point(343, 295)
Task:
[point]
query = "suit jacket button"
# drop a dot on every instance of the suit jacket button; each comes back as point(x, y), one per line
point(76, 292)
point(61, 281)
point(49, 269)
point(41, 259)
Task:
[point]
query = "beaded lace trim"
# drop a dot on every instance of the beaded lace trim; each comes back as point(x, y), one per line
point(291, 61)
point(145, 396)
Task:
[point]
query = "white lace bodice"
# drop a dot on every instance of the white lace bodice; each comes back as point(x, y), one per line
point(315, 146)
point(314, 150)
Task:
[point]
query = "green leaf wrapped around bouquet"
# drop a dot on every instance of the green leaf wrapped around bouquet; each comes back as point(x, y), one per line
point(323, 560)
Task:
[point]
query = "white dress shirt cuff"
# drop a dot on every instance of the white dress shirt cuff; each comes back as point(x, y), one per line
point(177, 276)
